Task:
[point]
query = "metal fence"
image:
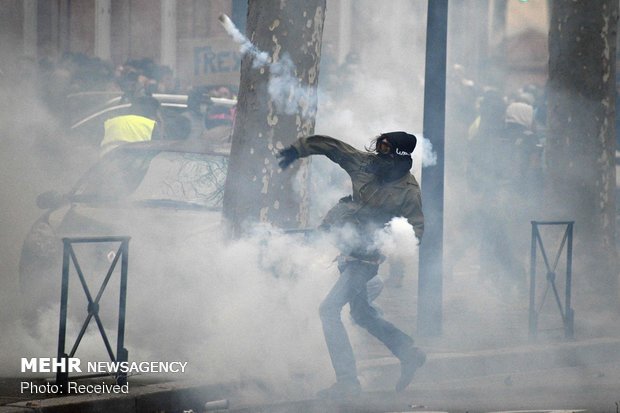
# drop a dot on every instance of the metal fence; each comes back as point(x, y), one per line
point(69, 257)
point(566, 312)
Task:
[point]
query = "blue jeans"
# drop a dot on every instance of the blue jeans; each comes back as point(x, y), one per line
point(351, 288)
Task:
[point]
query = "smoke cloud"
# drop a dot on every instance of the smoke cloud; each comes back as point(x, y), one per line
point(429, 157)
point(397, 239)
point(249, 308)
point(234, 310)
point(287, 92)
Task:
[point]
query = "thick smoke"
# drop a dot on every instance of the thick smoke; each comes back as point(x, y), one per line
point(249, 308)
point(234, 310)
point(35, 157)
point(397, 239)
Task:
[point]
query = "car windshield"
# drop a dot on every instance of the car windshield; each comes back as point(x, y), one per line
point(156, 178)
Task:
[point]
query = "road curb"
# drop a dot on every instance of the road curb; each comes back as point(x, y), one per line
point(455, 365)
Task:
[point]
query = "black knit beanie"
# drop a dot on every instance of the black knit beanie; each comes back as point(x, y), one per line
point(402, 143)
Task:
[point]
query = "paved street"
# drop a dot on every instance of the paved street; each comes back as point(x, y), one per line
point(483, 362)
point(594, 389)
point(439, 386)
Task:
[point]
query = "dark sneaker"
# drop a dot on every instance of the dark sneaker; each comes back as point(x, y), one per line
point(341, 390)
point(412, 360)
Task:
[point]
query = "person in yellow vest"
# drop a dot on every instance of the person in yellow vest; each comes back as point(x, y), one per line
point(139, 125)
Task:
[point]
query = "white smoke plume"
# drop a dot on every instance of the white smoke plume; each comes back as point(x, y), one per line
point(289, 95)
point(397, 238)
point(260, 58)
point(287, 92)
point(429, 156)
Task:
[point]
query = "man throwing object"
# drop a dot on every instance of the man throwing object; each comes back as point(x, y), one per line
point(383, 189)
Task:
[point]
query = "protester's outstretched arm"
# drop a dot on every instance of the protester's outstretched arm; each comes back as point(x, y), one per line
point(339, 152)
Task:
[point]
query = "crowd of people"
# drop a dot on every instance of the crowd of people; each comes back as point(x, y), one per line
point(77, 73)
point(501, 154)
point(77, 85)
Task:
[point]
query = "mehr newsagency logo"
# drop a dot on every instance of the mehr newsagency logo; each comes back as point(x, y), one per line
point(73, 366)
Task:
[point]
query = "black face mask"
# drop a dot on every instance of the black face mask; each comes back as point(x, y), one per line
point(390, 167)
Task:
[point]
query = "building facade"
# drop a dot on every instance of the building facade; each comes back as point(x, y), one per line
point(186, 36)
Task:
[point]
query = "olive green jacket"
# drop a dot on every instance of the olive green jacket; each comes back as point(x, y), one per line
point(372, 201)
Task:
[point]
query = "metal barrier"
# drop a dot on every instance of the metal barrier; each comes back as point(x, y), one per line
point(566, 312)
point(62, 378)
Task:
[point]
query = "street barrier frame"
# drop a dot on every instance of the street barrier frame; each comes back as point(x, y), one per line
point(62, 378)
point(566, 312)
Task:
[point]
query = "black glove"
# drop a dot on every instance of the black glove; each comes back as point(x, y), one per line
point(287, 156)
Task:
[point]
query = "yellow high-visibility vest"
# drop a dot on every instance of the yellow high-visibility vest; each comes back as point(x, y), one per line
point(127, 128)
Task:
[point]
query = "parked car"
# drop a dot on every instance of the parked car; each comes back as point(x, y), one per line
point(164, 194)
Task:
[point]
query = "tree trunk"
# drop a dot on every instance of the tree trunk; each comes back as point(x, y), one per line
point(581, 135)
point(256, 189)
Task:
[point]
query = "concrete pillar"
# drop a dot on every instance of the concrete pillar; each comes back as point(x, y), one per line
point(30, 28)
point(102, 29)
point(169, 34)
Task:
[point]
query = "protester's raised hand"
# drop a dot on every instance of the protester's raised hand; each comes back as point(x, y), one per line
point(287, 156)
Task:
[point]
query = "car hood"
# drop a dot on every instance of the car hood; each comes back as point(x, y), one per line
point(155, 229)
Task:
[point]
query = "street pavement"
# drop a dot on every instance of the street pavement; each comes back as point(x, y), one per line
point(483, 362)
point(593, 388)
